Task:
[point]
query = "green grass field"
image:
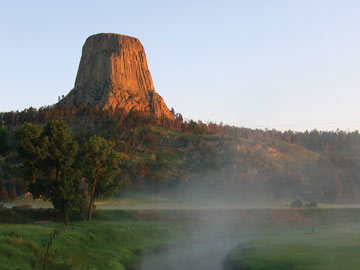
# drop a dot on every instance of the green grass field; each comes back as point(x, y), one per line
point(117, 239)
point(329, 249)
point(115, 243)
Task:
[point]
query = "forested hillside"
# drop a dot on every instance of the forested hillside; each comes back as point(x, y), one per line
point(168, 154)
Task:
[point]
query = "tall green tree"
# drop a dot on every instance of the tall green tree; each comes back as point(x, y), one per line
point(48, 156)
point(100, 167)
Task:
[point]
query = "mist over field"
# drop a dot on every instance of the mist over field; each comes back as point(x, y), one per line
point(205, 247)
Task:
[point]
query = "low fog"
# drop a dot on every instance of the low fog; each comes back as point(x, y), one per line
point(215, 235)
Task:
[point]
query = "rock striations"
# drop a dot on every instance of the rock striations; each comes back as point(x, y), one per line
point(113, 73)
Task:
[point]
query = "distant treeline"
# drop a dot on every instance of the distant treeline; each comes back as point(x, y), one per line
point(114, 121)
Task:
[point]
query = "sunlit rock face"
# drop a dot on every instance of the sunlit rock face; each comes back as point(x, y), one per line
point(113, 73)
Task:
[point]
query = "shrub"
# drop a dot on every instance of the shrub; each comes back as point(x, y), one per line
point(311, 204)
point(296, 204)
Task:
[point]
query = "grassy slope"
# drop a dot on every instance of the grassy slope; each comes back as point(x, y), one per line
point(117, 243)
point(172, 146)
point(330, 249)
point(239, 158)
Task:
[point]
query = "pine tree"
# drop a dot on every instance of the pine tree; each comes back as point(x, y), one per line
point(48, 156)
point(100, 166)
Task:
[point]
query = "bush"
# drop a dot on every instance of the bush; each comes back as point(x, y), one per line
point(296, 204)
point(311, 204)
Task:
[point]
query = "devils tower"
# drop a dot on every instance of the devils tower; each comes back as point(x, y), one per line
point(113, 73)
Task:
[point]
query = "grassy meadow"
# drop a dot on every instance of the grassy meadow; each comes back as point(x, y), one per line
point(327, 249)
point(111, 241)
point(118, 239)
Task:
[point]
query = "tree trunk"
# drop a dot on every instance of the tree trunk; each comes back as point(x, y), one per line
point(58, 172)
point(66, 217)
point(92, 195)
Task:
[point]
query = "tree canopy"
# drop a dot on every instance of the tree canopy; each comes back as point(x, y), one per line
point(48, 156)
point(100, 167)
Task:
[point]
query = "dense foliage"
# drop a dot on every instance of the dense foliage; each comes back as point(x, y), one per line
point(53, 167)
point(48, 157)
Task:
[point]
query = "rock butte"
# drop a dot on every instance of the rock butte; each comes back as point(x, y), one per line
point(113, 73)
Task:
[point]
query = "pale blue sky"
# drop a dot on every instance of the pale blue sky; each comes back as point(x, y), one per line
point(275, 64)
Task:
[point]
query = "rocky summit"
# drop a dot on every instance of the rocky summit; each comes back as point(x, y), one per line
point(113, 73)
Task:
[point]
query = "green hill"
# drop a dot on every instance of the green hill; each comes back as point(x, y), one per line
point(181, 156)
